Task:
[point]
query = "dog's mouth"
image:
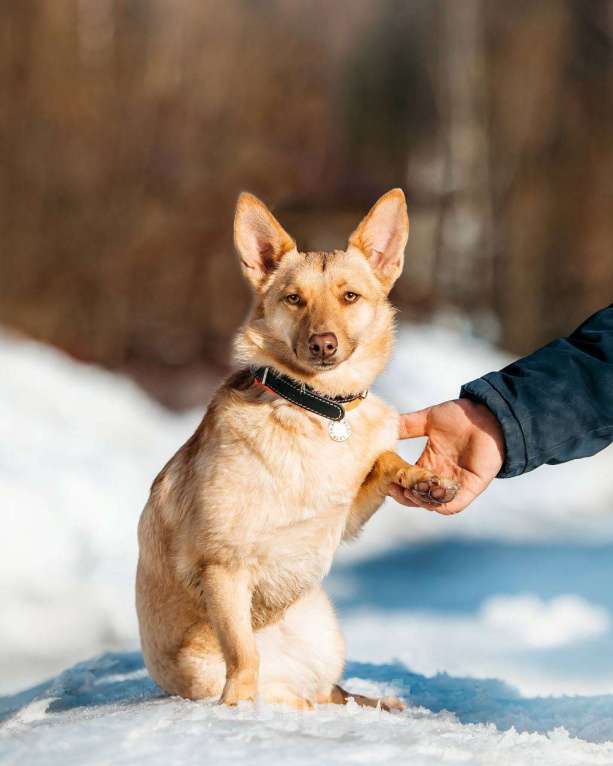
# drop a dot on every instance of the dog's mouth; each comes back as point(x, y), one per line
point(317, 364)
point(326, 364)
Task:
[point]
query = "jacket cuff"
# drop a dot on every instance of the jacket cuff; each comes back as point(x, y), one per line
point(484, 391)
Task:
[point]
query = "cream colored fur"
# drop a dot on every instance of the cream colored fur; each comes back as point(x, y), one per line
point(243, 522)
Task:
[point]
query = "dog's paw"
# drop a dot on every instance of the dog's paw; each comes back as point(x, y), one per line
point(236, 691)
point(428, 487)
point(392, 704)
point(280, 694)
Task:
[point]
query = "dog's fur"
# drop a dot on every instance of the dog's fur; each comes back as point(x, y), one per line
point(243, 522)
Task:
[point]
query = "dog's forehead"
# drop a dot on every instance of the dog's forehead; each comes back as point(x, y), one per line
point(322, 267)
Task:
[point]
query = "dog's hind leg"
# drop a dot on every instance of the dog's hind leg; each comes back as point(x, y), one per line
point(338, 696)
point(301, 655)
point(301, 658)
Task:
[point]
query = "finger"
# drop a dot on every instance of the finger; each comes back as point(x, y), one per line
point(399, 495)
point(413, 424)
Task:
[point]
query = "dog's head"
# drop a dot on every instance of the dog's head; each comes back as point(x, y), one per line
point(323, 318)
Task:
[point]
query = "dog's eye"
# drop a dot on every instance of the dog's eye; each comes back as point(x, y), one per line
point(293, 299)
point(350, 297)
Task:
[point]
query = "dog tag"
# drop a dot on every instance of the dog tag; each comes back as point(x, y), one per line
point(339, 430)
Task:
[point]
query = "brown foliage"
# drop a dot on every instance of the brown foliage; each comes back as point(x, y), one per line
point(127, 130)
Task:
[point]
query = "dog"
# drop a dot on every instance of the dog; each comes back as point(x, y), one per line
point(290, 459)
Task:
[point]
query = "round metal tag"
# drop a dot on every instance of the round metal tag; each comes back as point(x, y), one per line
point(339, 430)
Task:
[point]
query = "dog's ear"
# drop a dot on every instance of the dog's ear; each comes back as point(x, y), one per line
point(382, 236)
point(260, 239)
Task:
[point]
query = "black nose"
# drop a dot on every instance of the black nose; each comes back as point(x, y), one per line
point(323, 345)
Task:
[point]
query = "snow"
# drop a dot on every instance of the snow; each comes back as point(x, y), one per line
point(485, 609)
point(108, 711)
point(536, 623)
point(483, 614)
point(79, 448)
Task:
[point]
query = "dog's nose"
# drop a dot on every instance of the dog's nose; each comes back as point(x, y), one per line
point(323, 345)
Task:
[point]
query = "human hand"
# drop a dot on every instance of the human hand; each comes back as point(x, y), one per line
point(465, 443)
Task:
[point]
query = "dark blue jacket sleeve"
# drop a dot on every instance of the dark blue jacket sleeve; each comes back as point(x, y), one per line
point(556, 404)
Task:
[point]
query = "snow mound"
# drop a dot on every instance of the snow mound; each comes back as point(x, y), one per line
point(108, 711)
point(529, 620)
point(79, 447)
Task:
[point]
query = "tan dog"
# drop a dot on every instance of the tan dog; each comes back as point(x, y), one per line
point(243, 522)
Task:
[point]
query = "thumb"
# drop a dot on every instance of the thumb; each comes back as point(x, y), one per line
point(413, 423)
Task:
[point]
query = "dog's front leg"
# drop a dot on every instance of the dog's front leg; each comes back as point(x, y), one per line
point(228, 599)
point(390, 468)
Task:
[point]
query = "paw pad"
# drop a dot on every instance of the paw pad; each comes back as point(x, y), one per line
point(435, 490)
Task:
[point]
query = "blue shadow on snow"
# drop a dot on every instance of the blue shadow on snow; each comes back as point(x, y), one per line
point(456, 576)
point(118, 679)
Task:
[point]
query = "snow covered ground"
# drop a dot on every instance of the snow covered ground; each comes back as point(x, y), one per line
point(109, 712)
point(484, 614)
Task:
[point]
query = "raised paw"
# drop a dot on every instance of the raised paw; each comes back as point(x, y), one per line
point(428, 487)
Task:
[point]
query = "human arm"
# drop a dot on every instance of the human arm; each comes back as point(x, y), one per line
point(549, 407)
point(556, 404)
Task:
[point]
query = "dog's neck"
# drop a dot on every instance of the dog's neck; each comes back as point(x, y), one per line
point(302, 395)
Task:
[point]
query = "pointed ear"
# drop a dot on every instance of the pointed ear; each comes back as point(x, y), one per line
point(260, 239)
point(382, 236)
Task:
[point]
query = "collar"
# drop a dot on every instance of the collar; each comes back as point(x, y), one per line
point(330, 407)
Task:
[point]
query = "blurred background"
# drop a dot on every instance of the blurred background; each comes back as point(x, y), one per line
point(127, 130)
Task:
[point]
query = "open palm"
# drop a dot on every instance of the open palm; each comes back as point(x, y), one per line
point(465, 443)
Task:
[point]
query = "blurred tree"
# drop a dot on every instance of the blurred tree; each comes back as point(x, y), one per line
point(128, 128)
point(551, 158)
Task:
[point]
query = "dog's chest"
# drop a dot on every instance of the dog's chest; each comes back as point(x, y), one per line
point(314, 482)
point(314, 472)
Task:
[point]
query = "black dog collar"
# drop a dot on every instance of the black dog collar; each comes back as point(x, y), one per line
point(304, 396)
